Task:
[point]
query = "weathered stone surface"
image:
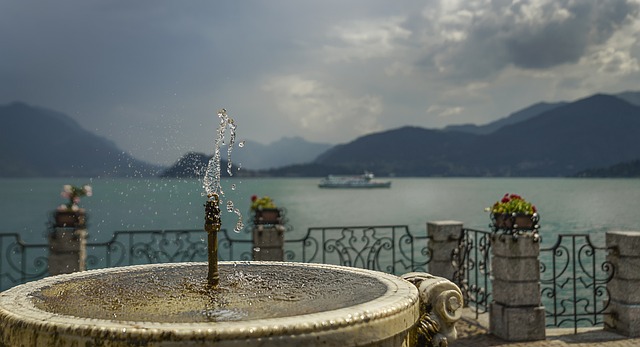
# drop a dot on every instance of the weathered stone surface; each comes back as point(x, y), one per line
point(442, 269)
point(67, 251)
point(516, 269)
point(268, 236)
point(623, 313)
point(517, 323)
point(268, 254)
point(444, 236)
point(625, 243)
point(522, 247)
point(442, 251)
point(623, 319)
point(441, 231)
point(625, 291)
point(377, 309)
point(516, 293)
point(625, 267)
point(63, 240)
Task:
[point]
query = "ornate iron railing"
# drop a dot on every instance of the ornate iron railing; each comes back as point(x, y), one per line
point(574, 272)
point(392, 249)
point(574, 277)
point(472, 263)
point(21, 262)
point(163, 246)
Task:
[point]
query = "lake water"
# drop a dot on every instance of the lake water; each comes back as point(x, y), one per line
point(566, 205)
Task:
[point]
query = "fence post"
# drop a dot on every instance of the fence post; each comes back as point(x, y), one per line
point(443, 239)
point(268, 242)
point(516, 312)
point(623, 314)
point(67, 250)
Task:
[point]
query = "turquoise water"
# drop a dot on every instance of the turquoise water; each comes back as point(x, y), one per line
point(566, 205)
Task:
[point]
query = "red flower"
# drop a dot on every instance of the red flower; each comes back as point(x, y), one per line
point(505, 199)
point(254, 197)
point(533, 207)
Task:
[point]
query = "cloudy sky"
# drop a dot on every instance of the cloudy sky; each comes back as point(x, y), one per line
point(151, 74)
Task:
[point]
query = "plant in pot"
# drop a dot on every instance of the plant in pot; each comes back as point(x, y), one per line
point(70, 215)
point(264, 210)
point(513, 214)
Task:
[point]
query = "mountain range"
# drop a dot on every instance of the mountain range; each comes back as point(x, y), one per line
point(559, 139)
point(545, 139)
point(37, 142)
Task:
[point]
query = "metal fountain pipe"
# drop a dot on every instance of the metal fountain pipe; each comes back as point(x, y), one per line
point(212, 227)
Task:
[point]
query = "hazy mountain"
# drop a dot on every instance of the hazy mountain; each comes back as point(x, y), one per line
point(542, 140)
point(194, 165)
point(253, 158)
point(36, 142)
point(516, 117)
point(190, 165)
point(286, 151)
point(596, 131)
point(527, 113)
point(630, 97)
point(407, 151)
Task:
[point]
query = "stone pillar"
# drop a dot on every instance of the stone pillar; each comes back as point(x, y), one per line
point(268, 242)
point(516, 312)
point(67, 250)
point(623, 314)
point(443, 239)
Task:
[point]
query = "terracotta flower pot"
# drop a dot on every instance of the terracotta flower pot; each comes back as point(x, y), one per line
point(267, 216)
point(520, 221)
point(69, 219)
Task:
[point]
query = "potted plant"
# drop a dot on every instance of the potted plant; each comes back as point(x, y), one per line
point(513, 213)
point(264, 210)
point(70, 215)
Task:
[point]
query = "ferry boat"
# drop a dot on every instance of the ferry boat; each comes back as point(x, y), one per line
point(361, 181)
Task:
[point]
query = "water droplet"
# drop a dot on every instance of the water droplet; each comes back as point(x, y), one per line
point(241, 144)
point(239, 227)
point(233, 186)
point(229, 206)
point(256, 249)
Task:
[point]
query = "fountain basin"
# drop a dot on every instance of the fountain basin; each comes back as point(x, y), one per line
point(257, 304)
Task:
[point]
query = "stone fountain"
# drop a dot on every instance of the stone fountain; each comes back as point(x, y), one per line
point(231, 303)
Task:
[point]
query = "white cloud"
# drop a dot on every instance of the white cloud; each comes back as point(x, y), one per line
point(473, 40)
point(322, 112)
point(444, 111)
point(365, 39)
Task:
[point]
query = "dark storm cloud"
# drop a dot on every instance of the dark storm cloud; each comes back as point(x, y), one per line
point(149, 74)
point(528, 34)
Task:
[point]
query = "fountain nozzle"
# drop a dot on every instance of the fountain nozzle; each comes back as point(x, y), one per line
point(212, 226)
point(212, 213)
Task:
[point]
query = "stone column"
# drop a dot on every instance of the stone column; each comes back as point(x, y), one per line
point(268, 242)
point(443, 239)
point(516, 312)
point(623, 314)
point(67, 250)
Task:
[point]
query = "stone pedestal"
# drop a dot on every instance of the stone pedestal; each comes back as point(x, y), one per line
point(516, 312)
point(443, 239)
point(623, 314)
point(67, 250)
point(268, 242)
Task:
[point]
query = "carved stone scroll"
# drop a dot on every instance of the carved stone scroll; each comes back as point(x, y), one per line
point(440, 308)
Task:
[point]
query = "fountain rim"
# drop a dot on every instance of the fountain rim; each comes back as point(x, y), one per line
point(399, 303)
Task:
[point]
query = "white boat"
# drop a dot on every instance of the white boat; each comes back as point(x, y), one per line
point(361, 181)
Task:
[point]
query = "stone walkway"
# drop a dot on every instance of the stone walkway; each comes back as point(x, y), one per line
point(472, 334)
